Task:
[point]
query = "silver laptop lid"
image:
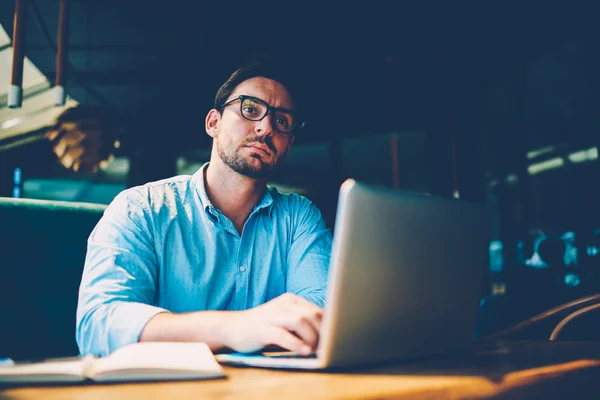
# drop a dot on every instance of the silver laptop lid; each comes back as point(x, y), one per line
point(405, 275)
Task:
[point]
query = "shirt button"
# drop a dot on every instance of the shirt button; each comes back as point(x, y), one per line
point(242, 269)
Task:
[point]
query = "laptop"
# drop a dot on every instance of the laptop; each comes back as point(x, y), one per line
point(404, 280)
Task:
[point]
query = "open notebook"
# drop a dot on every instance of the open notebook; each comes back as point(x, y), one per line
point(136, 362)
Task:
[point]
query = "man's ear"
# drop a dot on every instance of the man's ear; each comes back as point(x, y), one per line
point(213, 123)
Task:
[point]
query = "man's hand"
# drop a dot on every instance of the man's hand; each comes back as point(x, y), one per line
point(288, 321)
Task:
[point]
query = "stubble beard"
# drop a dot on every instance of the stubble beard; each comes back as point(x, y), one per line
point(242, 165)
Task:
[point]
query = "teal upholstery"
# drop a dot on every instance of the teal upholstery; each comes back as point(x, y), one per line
point(42, 252)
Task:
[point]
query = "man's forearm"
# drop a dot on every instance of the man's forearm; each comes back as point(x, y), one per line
point(200, 326)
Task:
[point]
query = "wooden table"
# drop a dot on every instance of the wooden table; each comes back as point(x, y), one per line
point(522, 370)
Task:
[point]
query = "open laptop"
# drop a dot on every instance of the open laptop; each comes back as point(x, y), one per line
point(404, 280)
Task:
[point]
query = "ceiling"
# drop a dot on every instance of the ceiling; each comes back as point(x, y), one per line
point(369, 68)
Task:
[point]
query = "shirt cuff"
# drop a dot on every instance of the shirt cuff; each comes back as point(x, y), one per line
point(127, 321)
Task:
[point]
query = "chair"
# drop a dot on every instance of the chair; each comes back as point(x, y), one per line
point(558, 323)
point(42, 252)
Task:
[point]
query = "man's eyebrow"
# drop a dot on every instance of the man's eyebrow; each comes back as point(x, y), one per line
point(286, 110)
point(277, 108)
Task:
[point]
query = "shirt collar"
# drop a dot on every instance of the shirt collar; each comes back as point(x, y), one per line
point(266, 202)
point(198, 178)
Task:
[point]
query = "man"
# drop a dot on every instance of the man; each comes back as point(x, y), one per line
point(217, 257)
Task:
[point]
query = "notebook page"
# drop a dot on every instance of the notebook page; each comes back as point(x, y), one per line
point(157, 360)
point(71, 370)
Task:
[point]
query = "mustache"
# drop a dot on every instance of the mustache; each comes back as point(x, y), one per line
point(267, 141)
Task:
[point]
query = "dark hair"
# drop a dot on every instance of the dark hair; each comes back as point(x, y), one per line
point(271, 68)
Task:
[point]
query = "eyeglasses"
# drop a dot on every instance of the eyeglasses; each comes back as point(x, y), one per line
point(255, 109)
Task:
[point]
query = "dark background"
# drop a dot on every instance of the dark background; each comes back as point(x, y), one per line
point(462, 91)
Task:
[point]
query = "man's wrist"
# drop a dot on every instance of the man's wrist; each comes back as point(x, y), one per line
point(224, 329)
point(211, 327)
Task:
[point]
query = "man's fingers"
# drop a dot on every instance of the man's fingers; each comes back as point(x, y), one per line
point(311, 314)
point(298, 315)
point(303, 325)
point(302, 302)
point(292, 300)
point(284, 339)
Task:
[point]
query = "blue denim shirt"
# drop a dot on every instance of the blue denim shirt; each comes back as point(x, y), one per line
point(164, 247)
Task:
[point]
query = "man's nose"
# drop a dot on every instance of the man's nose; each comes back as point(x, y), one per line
point(264, 127)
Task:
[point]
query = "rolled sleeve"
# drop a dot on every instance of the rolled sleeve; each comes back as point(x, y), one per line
point(308, 259)
point(119, 281)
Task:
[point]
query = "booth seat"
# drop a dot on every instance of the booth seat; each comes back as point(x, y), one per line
point(42, 252)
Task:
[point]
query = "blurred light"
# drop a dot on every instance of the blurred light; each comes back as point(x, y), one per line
point(17, 176)
point(116, 166)
point(184, 166)
point(11, 123)
point(495, 256)
point(545, 165)
point(512, 178)
point(535, 261)
point(456, 194)
point(539, 152)
point(592, 251)
point(584, 155)
point(496, 245)
point(498, 288)
point(493, 183)
point(17, 192)
point(572, 280)
point(568, 235)
point(117, 144)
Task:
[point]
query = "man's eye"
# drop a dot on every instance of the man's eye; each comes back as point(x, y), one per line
point(282, 122)
point(249, 110)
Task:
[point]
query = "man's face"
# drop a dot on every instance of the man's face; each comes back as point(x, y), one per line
point(253, 148)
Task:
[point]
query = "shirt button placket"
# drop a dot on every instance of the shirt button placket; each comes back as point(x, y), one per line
point(242, 278)
point(243, 267)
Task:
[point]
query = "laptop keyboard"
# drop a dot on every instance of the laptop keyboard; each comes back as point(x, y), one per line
point(288, 355)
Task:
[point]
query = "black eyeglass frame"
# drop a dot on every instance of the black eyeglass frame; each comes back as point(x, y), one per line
point(270, 109)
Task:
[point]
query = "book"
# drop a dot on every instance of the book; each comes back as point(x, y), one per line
point(148, 361)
